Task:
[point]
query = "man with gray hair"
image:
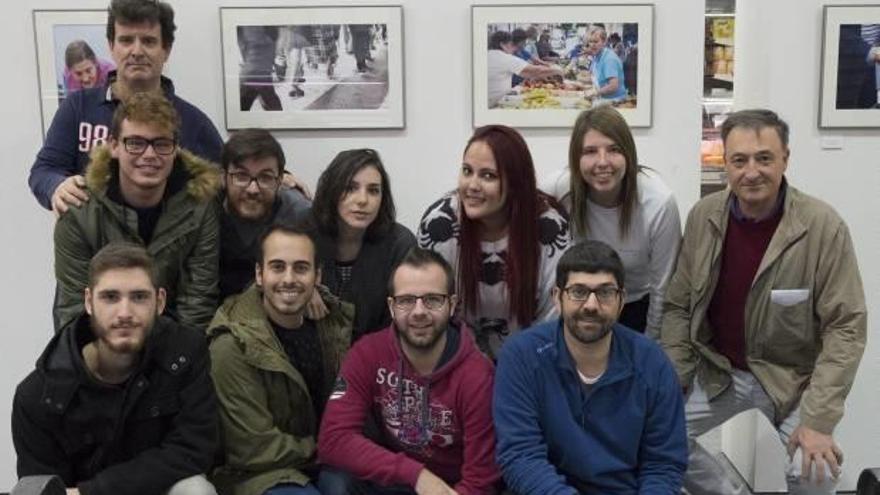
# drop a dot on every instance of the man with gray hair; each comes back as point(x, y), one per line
point(765, 310)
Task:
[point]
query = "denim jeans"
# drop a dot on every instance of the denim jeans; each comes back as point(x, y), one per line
point(337, 482)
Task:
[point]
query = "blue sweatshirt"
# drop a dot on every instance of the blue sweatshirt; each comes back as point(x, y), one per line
point(624, 434)
point(83, 121)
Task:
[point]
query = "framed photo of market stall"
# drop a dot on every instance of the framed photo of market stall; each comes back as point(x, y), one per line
point(849, 95)
point(313, 67)
point(541, 66)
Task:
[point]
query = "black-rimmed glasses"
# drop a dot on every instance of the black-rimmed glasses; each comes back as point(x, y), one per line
point(137, 145)
point(406, 302)
point(243, 180)
point(605, 294)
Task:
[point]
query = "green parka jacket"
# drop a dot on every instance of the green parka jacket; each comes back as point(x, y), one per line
point(805, 315)
point(184, 245)
point(268, 422)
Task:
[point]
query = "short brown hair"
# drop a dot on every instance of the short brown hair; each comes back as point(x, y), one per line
point(146, 108)
point(121, 255)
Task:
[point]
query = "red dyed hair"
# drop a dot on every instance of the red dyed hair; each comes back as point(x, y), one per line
point(517, 173)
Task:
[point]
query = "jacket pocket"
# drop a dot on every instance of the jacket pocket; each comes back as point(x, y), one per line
point(789, 331)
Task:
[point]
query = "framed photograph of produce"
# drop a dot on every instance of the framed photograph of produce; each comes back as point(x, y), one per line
point(540, 67)
point(313, 67)
point(849, 94)
point(72, 54)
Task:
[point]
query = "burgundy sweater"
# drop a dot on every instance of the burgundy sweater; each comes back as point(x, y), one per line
point(442, 421)
point(744, 247)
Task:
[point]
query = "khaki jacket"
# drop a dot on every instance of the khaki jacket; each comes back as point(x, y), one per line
point(266, 414)
point(802, 346)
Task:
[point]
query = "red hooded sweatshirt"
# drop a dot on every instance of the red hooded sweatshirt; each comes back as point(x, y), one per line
point(443, 422)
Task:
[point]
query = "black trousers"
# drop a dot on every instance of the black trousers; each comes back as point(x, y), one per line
point(635, 314)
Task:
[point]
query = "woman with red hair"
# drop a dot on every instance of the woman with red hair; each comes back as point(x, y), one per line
point(501, 234)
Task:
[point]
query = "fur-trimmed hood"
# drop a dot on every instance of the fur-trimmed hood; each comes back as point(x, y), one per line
point(202, 185)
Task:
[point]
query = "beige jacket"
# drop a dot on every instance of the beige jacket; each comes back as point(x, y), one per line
point(804, 345)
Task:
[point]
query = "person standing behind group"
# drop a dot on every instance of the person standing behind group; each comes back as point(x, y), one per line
point(501, 234)
point(359, 241)
point(611, 198)
point(140, 34)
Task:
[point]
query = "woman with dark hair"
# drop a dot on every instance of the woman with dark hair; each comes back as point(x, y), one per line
point(501, 234)
point(613, 199)
point(358, 240)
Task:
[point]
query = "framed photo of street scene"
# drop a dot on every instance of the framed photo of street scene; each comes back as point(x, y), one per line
point(540, 66)
point(313, 67)
point(72, 54)
point(849, 94)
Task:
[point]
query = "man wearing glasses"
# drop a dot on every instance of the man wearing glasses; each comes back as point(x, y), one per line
point(146, 190)
point(584, 404)
point(140, 34)
point(424, 384)
point(253, 167)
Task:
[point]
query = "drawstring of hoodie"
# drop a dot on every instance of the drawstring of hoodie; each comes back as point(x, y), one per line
point(424, 415)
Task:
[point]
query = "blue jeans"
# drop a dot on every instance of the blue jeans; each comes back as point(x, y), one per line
point(292, 489)
point(337, 482)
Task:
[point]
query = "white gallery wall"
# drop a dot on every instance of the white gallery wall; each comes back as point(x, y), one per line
point(777, 61)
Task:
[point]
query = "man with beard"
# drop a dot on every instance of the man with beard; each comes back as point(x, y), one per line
point(426, 386)
point(584, 404)
point(253, 166)
point(121, 401)
point(274, 369)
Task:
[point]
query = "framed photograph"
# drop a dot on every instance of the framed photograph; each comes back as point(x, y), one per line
point(313, 67)
point(849, 92)
point(540, 66)
point(72, 54)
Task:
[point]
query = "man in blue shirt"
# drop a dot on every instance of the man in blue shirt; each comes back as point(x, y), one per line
point(583, 404)
point(140, 34)
point(608, 79)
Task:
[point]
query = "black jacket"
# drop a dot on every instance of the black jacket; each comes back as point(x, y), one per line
point(140, 437)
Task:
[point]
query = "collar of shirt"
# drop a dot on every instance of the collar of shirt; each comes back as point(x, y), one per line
point(737, 213)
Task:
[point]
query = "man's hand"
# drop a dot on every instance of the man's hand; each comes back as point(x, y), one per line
point(289, 181)
point(71, 192)
point(315, 308)
point(817, 449)
point(429, 483)
point(73, 491)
